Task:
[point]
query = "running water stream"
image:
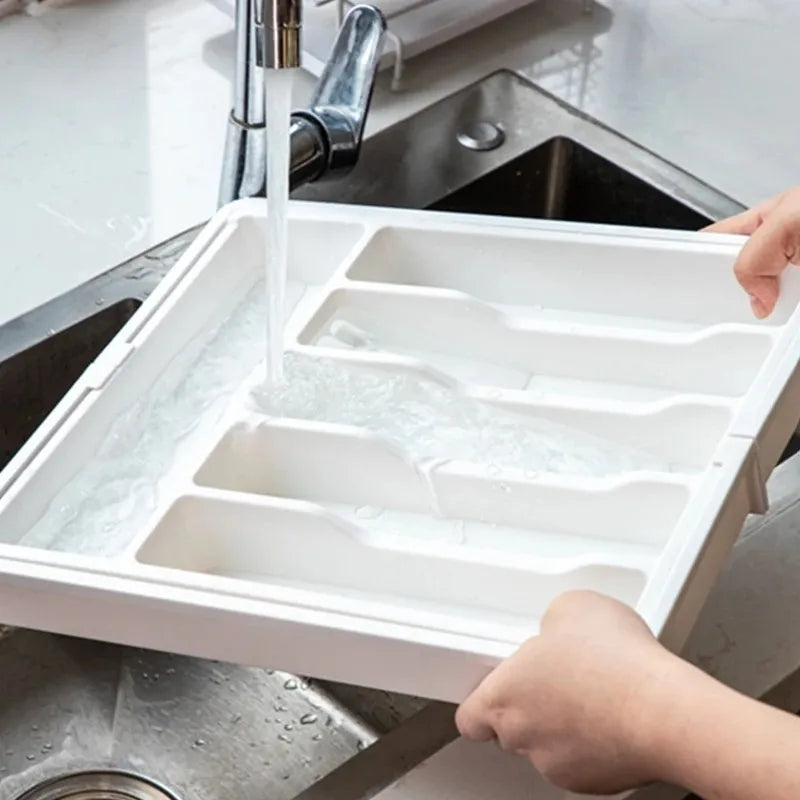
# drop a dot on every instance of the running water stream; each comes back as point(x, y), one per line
point(278, 111)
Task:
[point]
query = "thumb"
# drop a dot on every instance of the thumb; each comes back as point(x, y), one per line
point(764, 257)
point(473, 719)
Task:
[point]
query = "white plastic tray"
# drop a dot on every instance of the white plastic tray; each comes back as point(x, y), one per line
point(163, 505)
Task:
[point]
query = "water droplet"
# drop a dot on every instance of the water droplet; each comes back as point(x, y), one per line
point(236, 718)
point(34, 727)
point(360, 745)
point(270, 672)
point(317, 737)
point(47, 746)
point(284, 738)
point(171, 671)
point(308, 719)
point(200, 742)
point(31, 757)
point(99, 301)
point(290, 684)
point(288, 726)
point(304, 685)
point(158, 729)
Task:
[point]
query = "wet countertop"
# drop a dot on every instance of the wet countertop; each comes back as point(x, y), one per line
point(113, 113)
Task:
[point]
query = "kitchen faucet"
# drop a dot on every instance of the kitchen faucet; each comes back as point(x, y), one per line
point(326, 137)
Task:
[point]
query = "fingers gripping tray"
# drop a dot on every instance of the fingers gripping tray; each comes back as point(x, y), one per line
point(478, 415)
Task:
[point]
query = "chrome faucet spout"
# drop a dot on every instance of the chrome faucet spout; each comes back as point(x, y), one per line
point(326, 137)
point(342, 97)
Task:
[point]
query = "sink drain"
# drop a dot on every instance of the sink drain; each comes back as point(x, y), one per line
point(481, 135)
point(98, 786)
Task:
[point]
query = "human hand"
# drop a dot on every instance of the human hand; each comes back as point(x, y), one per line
point(576, 699)
point(774, 230)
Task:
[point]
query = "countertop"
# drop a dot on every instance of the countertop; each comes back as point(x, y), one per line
point(113, 112)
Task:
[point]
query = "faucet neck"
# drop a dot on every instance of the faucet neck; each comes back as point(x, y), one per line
point(282, 24)
point(326, 138)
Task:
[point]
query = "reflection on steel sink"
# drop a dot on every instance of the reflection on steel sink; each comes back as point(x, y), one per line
point(202, 729)
point(217, 731)
point(563, 179)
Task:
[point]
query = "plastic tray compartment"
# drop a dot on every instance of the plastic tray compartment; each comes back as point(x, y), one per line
point(564, 406)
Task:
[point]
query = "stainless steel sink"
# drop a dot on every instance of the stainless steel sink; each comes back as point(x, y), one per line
point(216, 731)
point(564, 179)
point(201, 729)
point(551, 162)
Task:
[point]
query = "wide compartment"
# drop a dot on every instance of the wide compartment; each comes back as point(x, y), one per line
point(684, 287)
point(250, 541)
point(472, 343)
point(478, 415)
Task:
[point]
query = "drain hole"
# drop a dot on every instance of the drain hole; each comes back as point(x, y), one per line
point(98, 786)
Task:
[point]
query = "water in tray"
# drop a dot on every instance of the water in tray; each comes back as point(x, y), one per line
point(430, 421)
point(112, 497)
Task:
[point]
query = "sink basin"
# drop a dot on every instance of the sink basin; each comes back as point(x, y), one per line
point(552, 163)
point(201, 729)
point(563, 179)
point(36, 378)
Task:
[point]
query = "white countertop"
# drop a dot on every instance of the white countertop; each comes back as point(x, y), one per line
point(113, 112)
point(112, 117)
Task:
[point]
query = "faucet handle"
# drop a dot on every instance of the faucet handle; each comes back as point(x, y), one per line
point(342, 97)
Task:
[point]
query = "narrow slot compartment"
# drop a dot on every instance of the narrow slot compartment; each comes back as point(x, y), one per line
point(361, 479)
point(683, 434)
point(657, 284)
point(284, 547)
point(474, 343)
point(313, 462)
